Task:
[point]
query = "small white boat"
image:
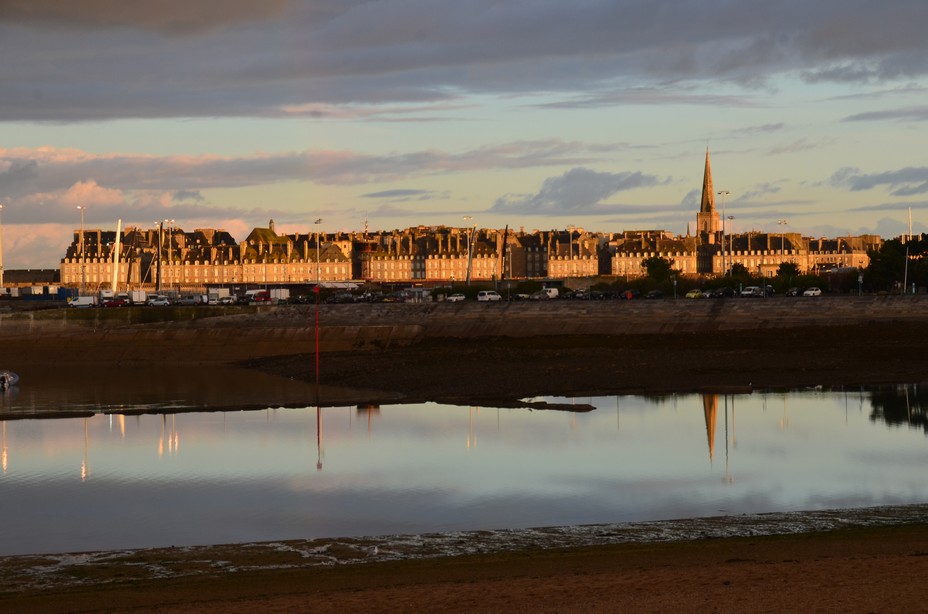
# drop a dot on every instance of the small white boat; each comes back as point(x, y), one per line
point(8, 379)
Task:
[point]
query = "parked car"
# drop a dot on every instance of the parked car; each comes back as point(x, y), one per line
point(455, 298)
point(695, 293)
point(226, 300)
point(629, 294)
point(114, 302)
point(540, 295)
point(158, 300)
point(341, 297)
point(188, 300)
point(724, 292)
point(82, 301)
point(794, 292)
point(488, 295)
point(813, 291)
point(654, 294)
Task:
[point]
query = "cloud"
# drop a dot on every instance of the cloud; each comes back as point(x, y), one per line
point(579, 191)
point(759, 190)
point(792, 147)
point(652, 96)
point(30, 171)
point(762, 129)
point(170, 17)
point(916, 114)
point(907, 181)
point(344, 58)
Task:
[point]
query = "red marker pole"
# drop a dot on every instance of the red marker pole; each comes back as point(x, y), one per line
point(316, 291)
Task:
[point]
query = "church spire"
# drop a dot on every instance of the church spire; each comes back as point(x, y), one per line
point(707, 204)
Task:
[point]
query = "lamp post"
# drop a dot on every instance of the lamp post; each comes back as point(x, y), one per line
point(570, 246)
point(81, 208)
point(781, 223)
point(470, 251)
point(170, 267)
point(723, 194)
point(1, 245)
point(160, 226)
point(731, 223)
point(317, 291)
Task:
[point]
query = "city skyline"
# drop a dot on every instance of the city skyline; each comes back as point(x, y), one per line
point(397, 114)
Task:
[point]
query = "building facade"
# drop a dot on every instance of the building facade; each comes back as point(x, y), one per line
point(169, 257)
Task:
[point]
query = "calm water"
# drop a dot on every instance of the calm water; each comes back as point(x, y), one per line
point(111, 481)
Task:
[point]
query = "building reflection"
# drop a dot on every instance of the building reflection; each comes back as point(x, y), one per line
point(172, 437)
point(710, 405)
point(891, 405)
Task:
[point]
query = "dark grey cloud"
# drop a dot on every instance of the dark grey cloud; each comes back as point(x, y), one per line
point(579, 191)
point(760, 190)
point(802, 144)
point(916, 114)
point(762, 129)
point(907, 181)
point(399, 193)
point(96, 59)
point(171, 17)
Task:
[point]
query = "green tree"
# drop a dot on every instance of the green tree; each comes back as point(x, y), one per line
point(788, 269)
point(659, 269)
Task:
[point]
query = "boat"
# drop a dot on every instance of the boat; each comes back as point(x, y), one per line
point(8, 379)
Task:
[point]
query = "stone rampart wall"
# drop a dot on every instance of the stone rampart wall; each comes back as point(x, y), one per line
point(133, 335)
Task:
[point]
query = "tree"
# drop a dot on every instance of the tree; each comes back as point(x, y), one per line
point(788, 269)
point(659, 269)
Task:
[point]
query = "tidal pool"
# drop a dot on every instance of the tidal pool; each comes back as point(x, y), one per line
point(107, 480)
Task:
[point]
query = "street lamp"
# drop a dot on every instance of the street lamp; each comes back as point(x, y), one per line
point(781, 223)
point(1, 245)
point(317, 291)
point(723, 194)
point(170, 267)
point(470, 251)
point(731, 224)
point(82, 208)
point(318, 277)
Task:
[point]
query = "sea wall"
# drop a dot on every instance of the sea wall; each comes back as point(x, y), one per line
point(217, 335)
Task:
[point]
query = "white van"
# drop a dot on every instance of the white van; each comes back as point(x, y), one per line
point(551, 292)
point(488, 295)
point(82, 301)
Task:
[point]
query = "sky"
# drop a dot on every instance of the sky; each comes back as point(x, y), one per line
point(397, 113)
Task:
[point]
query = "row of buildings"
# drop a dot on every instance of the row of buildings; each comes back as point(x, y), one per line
point(167, 256)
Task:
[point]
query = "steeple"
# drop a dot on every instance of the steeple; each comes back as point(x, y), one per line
point(708, 222)
point(707, 204)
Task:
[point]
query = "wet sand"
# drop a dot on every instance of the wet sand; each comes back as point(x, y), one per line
point(850, 570)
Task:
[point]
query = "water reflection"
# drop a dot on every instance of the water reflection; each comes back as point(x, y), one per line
point(111, 481)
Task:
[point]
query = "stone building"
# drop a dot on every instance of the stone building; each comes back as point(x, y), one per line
point(169, 257)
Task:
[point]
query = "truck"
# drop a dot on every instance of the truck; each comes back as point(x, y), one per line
point(279, 295)
point(215, 295)
point(551, 292)
point(138, 297)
